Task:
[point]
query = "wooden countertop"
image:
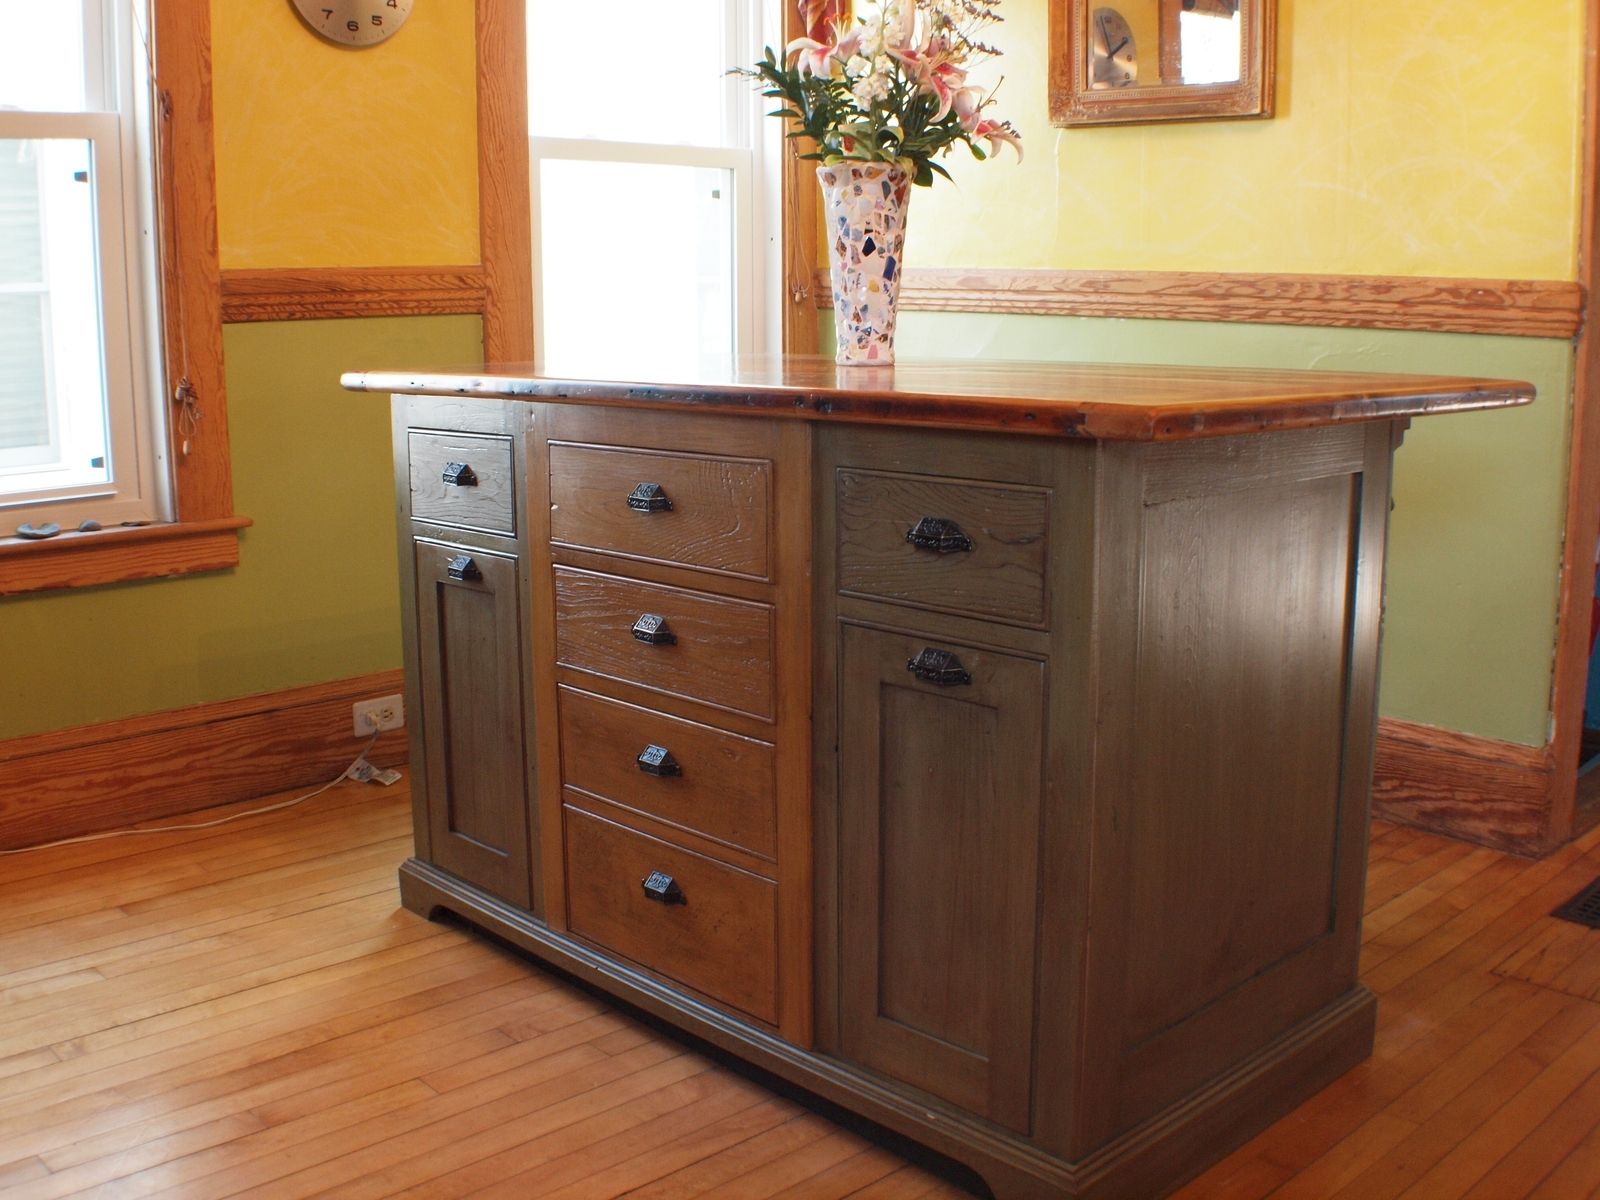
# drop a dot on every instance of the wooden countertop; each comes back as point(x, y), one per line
point(1079, 400)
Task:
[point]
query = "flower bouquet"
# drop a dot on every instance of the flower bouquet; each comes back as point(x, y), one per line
point(880, 102)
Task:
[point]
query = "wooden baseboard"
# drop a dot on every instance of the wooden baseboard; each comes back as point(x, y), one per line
point(1477, 789)
point(97, 777)
point(1515, 307)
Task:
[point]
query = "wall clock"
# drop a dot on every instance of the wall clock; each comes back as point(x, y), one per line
point(1113, 56)
point(354, 22)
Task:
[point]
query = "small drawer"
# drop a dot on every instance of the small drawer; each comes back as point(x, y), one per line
point(699, 921)
point(690, 775)
point(711, 649)
point(463, 479)
point(693, 510)
point(977, 549)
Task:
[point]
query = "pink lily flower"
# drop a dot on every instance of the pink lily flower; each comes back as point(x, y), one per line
point(996, 132)
point(933, 74)
point(817, 58)
point(968, 103)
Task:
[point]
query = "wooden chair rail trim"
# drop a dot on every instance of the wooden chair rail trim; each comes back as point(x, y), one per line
point(318, 293)
point(119, 555)
point(1517, 307)
point(1471, 788)
point(104, 776)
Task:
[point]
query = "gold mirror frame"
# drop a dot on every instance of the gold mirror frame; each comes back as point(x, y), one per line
point(1074, 102)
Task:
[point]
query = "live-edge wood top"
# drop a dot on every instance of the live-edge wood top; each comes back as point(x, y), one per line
point(1079, 400)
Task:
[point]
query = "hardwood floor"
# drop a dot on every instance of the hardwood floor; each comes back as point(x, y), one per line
point(244, 1011)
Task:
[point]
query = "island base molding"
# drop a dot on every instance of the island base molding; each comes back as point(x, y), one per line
point(1170, 1147)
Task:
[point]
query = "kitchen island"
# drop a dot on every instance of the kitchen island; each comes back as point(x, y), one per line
point(984, 748)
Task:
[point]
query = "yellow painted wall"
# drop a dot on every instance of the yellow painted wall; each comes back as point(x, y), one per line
point(1433, 137)
point(328, 157)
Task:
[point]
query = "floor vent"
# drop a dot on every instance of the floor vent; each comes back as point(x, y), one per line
point(1584, 908)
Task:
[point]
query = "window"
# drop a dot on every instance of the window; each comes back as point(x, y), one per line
point(654, 178)
point(79, 375)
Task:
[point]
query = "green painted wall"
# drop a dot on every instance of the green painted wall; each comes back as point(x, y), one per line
point(314, 596)
point(1479, 498)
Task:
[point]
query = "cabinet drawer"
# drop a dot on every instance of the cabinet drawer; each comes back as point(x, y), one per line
point(719, 653)
point(995, 560)
point(714, 783)
point(463, 479)
point(718, 520)
point(717, 932)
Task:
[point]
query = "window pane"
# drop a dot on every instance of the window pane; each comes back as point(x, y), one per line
point(636, 262)
point(597, 70)
point(52, 403)
point(41, 55)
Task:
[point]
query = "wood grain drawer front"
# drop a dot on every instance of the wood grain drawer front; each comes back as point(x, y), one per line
point(715, 929)
point(720, 653)
point(994, 562)
point(713, 783)
point(463, 479)
point(718, 520)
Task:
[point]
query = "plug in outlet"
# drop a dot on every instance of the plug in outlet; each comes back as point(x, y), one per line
point(373, 716)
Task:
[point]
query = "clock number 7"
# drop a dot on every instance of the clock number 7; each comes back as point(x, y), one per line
point(327, 13)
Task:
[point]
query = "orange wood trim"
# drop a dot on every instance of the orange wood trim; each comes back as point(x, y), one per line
point(504, 214)
point(116, 555)
point(1583, 479)
point(1518, 307)
point(296, 294)
point(1477, 789)
point(97, 777)
point(204, 537)
point(805, 278)
point(192, 304)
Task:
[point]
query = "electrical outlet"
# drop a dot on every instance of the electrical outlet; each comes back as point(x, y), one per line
point(368, 717)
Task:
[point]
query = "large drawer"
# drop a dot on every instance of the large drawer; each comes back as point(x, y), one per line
point(463, 479)
point(711, 782)
point(695, 510)
point(719, 652)
point(713, 927)
point(994, 560)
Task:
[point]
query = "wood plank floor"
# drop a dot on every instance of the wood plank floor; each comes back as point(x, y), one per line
point(245, 1011)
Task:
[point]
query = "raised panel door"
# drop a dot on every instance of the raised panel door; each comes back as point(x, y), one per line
point(939, 795)
point(470, 655)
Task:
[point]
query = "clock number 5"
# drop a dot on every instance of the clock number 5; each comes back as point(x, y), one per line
point(377, 18)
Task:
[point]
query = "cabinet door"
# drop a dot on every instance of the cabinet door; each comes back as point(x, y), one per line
point(469, 655)
point(939, 788)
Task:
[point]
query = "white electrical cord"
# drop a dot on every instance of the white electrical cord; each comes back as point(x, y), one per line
point(254, 812)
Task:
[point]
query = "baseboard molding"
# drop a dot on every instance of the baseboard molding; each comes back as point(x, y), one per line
point(97, 777)
point(321, 293)
point(1477, 789)
point(1517, 307)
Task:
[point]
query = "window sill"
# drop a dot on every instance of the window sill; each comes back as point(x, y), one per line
point(72, 560)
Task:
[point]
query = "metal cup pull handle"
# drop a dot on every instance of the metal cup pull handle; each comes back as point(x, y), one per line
point(939, 535)
point(662, 888)
point(658, 761)
point(460, 475)
point(939, 667)
point(652, 628)
point(463, 568)
point(649, 497)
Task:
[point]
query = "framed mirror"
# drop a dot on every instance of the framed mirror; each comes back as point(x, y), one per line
point(1120, 62)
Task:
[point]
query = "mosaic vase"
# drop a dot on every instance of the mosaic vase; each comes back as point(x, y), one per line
point(864, 207)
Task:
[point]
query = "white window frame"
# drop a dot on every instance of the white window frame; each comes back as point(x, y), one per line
point(118, 125)
point(753, 158)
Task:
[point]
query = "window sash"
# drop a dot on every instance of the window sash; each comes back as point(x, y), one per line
point(127, 299)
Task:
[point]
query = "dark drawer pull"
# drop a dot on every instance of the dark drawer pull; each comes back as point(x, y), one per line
point(657, 760)
point(938, 535)
point(940, 667)
point(661, 887)
point(460, 475)
point(653, 629)
point(462, 567)
point(649, 497)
